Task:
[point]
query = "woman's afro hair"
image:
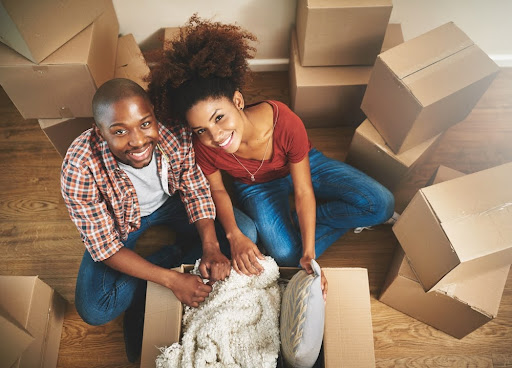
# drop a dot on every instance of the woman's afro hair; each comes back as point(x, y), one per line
point(206, 60)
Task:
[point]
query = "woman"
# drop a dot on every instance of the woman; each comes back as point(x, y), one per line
point(264, 147)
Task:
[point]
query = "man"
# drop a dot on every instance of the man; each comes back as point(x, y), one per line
point(118, 179)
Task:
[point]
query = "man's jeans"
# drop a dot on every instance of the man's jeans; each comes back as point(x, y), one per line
point(346, 198)
point(102, 293)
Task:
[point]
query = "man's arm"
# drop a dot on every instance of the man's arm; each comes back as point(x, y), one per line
point(189, 289)
point(214, 265)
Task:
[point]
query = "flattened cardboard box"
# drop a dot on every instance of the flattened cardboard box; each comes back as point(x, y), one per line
point(329, 96)
point(341, 32)
point(348, 333)
point(425, 85)
point(62, 132)
point(369, 153)
point(457, 310)
point(35, 29)
point(40, 311)
point(63, 84)
point(129, 61)
point(453, 230)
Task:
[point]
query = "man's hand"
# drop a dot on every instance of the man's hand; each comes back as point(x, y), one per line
point(190, 289)
point(214, 265)
point(245, 255)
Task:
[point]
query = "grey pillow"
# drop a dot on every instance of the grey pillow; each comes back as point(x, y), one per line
point(302, 319)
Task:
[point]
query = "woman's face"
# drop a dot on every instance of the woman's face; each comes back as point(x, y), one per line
point(218, 123)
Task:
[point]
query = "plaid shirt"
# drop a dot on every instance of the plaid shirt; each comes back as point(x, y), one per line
point(102, 201)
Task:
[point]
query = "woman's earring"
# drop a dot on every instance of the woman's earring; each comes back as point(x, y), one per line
point(241, 108)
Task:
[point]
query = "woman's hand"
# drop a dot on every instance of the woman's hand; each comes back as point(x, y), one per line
point(245, 255)
point(214, 265)
point(305, 263)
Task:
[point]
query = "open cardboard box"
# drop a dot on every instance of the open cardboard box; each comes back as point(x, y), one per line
point(330, 96)
point(369, 153)
point(63, 84)
point(348, 32)
point(456, 229)
point(36, 313)
point(425, 85)
point(348, 334)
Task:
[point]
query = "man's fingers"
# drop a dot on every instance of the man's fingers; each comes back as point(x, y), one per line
point(203, 270)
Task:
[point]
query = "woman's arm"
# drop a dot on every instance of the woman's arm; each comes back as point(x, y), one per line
point(244, 252)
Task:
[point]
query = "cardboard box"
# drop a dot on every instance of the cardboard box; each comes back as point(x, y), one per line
point(369, 153)
point(130, 62)
point(35, 29)
point(330, 96)
point(454, 230)
point(348, 334)
point(341, 32)
point(443, 173)
point(425, 85)
point(14, 339)
point(170, 33)
point(63, 84)
point(37, 309)
point(62, 132)
point(456, 310)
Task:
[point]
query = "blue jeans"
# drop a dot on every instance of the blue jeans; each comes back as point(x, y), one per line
point(346, 198)
point(103, 293)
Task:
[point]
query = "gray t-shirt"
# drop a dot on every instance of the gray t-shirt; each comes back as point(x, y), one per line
point(148, 186)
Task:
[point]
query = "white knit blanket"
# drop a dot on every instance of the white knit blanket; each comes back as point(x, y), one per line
point(237, 326)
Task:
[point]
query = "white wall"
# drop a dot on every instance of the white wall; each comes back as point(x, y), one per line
point(488, 23)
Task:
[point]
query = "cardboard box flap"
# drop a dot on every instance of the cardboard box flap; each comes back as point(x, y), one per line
point(14, 340)
point(16, 292)
point(443, 173)
point(461, 69)
point(426, 49)
point(130, 62)
point(459, 205)
point(393, 36)
point(347, 3)
point(476, 292)
point(348, 337)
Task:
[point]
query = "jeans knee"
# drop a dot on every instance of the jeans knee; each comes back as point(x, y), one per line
point(91, 316)
point(285, 257)
point(246, 226)
point(386, 205)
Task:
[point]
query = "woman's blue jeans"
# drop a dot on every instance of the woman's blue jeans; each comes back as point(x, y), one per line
point(103, 293)
point(346, 198)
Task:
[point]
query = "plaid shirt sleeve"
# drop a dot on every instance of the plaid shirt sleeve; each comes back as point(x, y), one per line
point(194, 187)
point(89, 212)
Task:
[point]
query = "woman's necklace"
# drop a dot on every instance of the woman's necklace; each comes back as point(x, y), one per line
point(266, 149)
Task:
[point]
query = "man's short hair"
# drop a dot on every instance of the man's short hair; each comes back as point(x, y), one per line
point(113, 91)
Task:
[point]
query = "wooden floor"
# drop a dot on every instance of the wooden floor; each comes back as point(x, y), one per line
point(38, 238)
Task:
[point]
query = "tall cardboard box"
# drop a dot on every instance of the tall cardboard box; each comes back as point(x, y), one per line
point(341, 32)
point(329, 96)
point(62, 132)
point(454, 230)
point(348, 333)
point(425, 85)
point(130, 62)
point(63, 84)
point(35, 29)
point(39, 310)
point(369, 153)
point(170, 33)
point(456, 310)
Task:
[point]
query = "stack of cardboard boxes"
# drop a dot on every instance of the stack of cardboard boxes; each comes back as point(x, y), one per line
point(455, 250)
point(417, 90)
point(56, 54)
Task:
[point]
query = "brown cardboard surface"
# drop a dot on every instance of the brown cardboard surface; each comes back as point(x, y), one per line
point(130, 62)
point(169, 34)
point(40, 311)
point(341, 32)
point(63, 84)
point(326, 96)
point(35, 29)
point(443, 173)
point(14, 339)
point(369, 153)
point(458, 228)
point(348, 334)
point(425, 85)
point(62, 132)
point(457, 310)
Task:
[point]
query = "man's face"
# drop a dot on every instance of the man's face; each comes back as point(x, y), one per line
point(131, 131)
